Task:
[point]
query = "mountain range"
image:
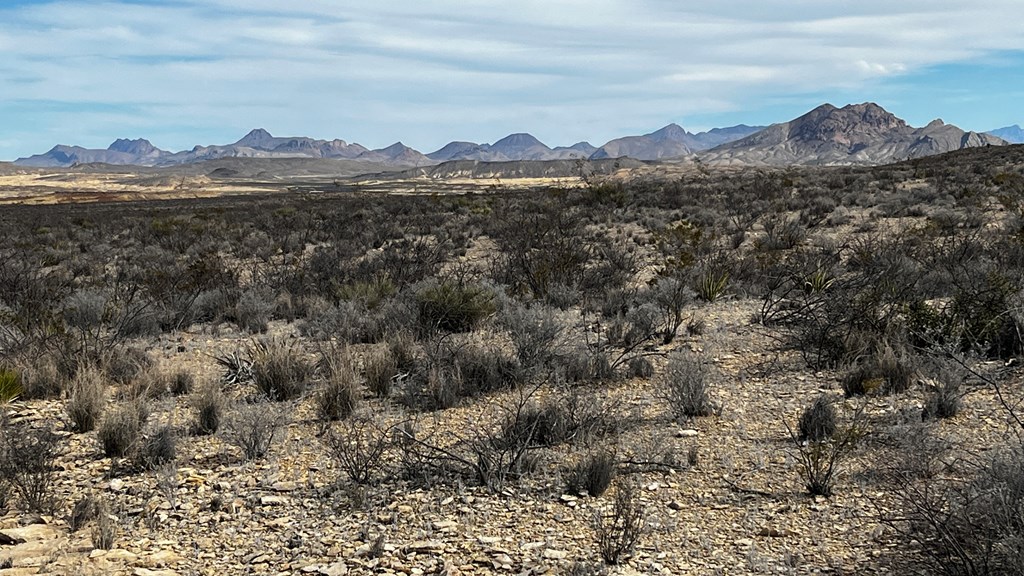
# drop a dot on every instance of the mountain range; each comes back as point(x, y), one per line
point(854, 134)
point(1012, 134)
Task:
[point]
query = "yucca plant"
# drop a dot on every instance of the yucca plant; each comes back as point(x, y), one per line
point(819, 281)
point(10, 386)
point(712, 286)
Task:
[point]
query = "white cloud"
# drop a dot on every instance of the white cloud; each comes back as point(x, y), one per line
point(432, 71)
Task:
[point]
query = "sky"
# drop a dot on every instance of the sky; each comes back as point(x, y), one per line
point(426, 72)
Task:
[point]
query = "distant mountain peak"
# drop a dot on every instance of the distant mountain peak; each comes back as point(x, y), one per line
point(844, 126)
point(1013, 134)
point(854, 134)
point(520, 140)
point(673, 132)
point(256, 138)
point(139, 146)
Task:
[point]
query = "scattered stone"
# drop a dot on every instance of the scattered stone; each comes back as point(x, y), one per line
point(552, 554)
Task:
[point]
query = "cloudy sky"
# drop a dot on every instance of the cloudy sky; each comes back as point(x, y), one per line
point(426, 72)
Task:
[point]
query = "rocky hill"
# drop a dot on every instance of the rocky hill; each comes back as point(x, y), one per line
point(672, 141)
point(515, 169)
point(854, 134)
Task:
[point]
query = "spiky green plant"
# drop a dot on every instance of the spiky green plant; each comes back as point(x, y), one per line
point(712, 286)
point(10, 386)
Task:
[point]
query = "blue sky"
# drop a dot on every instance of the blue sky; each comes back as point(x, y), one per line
point(207, 71)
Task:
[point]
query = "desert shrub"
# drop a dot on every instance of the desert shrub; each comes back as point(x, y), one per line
point(981, 308)
point(254, 426)
point(448, 306)
point(340, 394)
point(639, 367)
point(671, 295)
point(585, 364)
point(684, 384)
point(943, 400)
point(593, 474)
point(970, 527)
point(83, 512)
point(506, 456)
point(887, 370)
point(485, 369)
point(820, 461)
point(158, 448)
point(619, 530)
point(279, 371)
point(27, 461)
point(84, 309)
point(442, 389)
point(254, 309)
point(209, 405)
point(563, 297)
point(780, 233)
point(540, 246)
point(123, 364)
point(359, 445)
point(380, 369)
point(534, 333)
point(10, 385)
point(40, 379)
point(105, 532)
point(347, 321)
point(86, 398)
point(121, 429)
point(818, 421)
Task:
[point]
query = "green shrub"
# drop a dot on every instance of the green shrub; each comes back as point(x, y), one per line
point(452, 307)
point(10, 385)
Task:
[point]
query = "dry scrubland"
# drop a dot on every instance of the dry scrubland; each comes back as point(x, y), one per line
point(721, 372)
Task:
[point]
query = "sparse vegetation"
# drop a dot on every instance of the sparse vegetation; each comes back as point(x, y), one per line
point(484, 355)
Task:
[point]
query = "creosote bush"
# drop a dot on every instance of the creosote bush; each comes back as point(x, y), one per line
point(448, 306)
point(619, 530)
point(27, 458)
point(254, 426)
